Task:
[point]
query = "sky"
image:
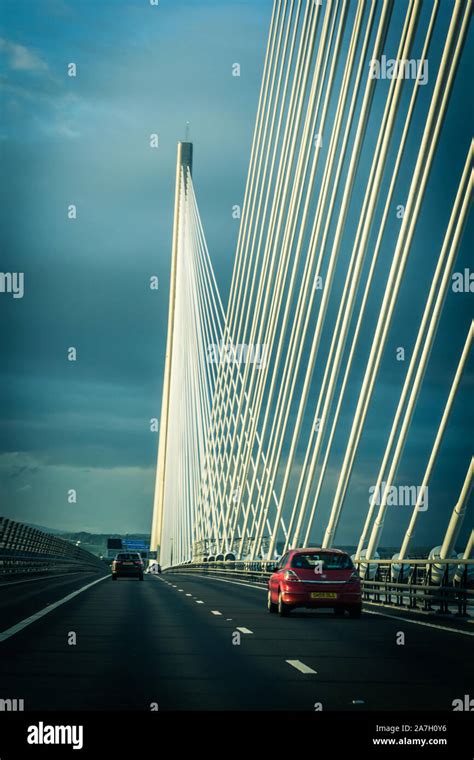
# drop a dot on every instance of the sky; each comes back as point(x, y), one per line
point(85, 140)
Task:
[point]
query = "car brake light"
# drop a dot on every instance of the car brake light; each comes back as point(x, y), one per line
point(290, 575)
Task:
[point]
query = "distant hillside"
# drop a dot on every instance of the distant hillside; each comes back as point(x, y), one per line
point(53, 531)
point(96, 543)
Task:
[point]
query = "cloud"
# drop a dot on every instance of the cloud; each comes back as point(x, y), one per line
point(21, 58)
point(44, 499)
point(19, 470)
point(59, 8)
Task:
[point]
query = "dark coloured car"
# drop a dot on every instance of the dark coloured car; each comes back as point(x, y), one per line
point(127, 565)
point(315, 578)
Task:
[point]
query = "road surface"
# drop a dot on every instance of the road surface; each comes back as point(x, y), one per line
point(180, 642)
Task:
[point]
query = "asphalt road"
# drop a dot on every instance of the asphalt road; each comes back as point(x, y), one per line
point(179, 642)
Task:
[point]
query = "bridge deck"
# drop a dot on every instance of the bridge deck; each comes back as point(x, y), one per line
point(139, 643)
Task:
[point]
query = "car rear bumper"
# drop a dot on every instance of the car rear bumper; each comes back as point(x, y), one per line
point(127, 573)
point(332, 597)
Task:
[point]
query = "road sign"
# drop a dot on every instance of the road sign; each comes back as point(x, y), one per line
point(135, 545)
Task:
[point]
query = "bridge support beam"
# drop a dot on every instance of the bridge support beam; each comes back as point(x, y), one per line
point(459, 513)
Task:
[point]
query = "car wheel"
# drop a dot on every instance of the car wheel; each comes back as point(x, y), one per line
point(339, 611)
point(114, 577)
point(140, 577)
point(355, 611)
point(271, 606)
point(283, 608)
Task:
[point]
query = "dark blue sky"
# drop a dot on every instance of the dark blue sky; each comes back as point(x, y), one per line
point(84, 425)
point(85, 140)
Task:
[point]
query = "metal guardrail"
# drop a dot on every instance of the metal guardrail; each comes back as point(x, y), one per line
point(417, 584)
point(28, 551)
point(255, 571)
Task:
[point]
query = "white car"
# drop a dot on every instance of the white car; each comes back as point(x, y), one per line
point(154, 568)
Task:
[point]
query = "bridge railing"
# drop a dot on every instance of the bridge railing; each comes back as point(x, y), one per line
point(28, 551)
point(426, 585)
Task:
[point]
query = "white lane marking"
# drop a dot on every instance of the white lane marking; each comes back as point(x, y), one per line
point(188, 594)
point(198, 601)
point(419, 622)
point(181, 589)
point(301, 666)
point(27, 621)
point(216, 612)
point(365, 610)
point(224, 580)
point(244, 630)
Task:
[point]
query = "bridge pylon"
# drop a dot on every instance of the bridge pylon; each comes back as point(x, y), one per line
point(184, 161)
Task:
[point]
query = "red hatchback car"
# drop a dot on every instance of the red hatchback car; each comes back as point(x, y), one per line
point(315, 578)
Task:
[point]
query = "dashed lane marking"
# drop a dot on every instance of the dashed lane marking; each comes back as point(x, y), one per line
point(365, 610)
point(301, 666)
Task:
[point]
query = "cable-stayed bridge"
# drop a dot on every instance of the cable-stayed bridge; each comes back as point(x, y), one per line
point(276, 396)
point(266, 403)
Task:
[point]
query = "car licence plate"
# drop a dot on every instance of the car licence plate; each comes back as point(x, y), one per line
point(321, 595)
point(128, 563)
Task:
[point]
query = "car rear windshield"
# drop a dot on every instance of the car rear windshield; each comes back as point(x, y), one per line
point(128, 556)
point(330, 561)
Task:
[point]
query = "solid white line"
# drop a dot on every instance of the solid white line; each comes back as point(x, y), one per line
point(244, 630)
point(365, 610)
point(216, 612)
point(27, 621)
point(420, 622)
point(301, 666)
point(224, 580)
